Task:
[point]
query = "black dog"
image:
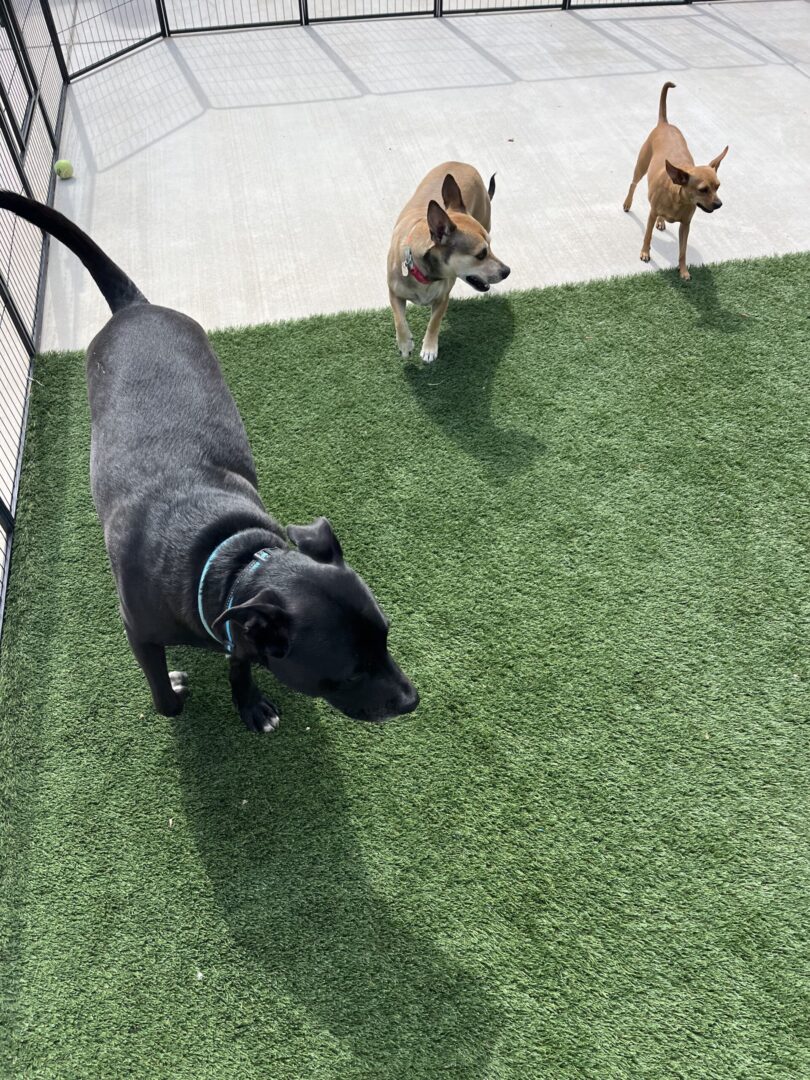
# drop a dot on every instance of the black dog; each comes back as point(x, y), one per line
point(197, 560)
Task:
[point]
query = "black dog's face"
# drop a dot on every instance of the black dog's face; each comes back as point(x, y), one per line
point(318, 628)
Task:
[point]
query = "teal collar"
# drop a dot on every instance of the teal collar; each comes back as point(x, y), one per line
point(259, 558)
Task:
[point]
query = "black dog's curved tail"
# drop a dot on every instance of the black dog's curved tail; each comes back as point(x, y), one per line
point(115, 286)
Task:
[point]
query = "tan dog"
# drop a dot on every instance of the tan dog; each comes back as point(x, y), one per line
point(431, 247)
point(675, 185)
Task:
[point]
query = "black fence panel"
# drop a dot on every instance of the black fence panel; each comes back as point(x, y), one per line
point(188, 16)
point(91, 33)
point(32, 86)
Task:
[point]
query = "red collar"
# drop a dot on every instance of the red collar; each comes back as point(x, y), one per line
point(409, 263)
point(414, 271)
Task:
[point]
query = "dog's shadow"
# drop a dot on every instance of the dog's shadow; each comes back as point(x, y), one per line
point(456, 390)
point(701, 293)
point(273, 826)
point(701, 290)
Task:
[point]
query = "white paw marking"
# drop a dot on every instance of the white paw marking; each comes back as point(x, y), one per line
point(179, 681)
point(429, 352)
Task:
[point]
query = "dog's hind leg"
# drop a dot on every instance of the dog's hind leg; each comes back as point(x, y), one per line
point(643, 163)
point(256, 711)
point(404, 336)
point(169, 689)
point(430, 345)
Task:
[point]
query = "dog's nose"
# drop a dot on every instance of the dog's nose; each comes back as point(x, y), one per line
point(717, 204)
point(505, 272)
point(408, 700)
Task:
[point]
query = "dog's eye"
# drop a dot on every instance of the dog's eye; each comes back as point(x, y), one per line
point(703, 187)
point(482, 254)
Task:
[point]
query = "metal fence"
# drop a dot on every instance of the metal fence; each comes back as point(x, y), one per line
point(32, 84)
point(93, 32)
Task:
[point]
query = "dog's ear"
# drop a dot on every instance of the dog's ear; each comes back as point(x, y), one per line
point(439, 223)
point(676, 175)
point(264, 622)
point(716, 161)
point(451, 195)
point(317, 540)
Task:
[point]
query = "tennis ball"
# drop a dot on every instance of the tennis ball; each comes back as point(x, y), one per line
point(63, 169)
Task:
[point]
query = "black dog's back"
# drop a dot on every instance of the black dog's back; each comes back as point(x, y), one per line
point(157, 396)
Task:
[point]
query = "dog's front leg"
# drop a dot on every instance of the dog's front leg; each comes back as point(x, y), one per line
point(683, 236)
point(645, 247)
point(404, 336)
point(430, 346)
point(169, 688)
point(256, 711)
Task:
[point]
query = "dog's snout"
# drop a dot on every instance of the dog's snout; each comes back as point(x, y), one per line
point(405, 700)
point(505, 272)
point(717, 204)
point(409, 701)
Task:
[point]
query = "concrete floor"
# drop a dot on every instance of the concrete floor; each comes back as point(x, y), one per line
point(255, 176)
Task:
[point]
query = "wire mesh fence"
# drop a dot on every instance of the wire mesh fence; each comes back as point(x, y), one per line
point(32, 81)
point(92, 32)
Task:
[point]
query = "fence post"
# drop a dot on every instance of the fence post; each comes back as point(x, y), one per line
point(437, 9)
point(303, 8)
point(57, 44)
point(165, 30)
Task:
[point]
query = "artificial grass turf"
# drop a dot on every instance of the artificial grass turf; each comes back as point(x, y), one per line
point(584, 856)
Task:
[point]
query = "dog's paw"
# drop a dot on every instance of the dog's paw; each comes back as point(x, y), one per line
point(260, 715)
point(660, 224)
point(405, 347)
point(429, 352)
point(645, 256)
point(626, 206)
point(685, 275)
point(179, 681)
point(172, 704)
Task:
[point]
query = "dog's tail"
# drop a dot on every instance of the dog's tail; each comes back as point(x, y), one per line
point(491, 188)
point(662, 104)
point(117, 289)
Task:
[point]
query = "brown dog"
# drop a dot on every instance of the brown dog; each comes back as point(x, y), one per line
point(431, 247)
point(675, 185)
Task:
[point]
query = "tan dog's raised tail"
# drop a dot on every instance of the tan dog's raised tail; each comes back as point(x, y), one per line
point(436, 242)
point(676, 186)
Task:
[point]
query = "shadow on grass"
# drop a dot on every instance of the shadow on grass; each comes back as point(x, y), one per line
point(701, 293)
point(289, 876)
point(456, 390)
